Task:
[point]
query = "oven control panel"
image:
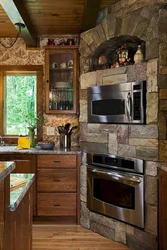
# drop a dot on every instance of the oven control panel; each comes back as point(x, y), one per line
point(116, 162)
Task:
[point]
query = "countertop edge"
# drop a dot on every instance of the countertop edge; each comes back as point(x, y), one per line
point(14, 206)
point(7, 170)
point(37, 151)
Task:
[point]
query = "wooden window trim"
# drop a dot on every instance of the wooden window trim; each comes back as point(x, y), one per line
point(38, 69)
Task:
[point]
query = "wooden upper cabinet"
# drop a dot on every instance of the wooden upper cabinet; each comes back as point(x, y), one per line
point(62, 70)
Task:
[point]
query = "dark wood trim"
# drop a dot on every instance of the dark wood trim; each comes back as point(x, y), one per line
point(162, 211)
point(92, 8)
point(54, 219)
point(17, 13)
point(21, 68)
point(79, 162)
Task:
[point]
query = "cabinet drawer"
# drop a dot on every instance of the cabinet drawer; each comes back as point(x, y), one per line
point(59, 180)
point(56, 161)
point(56, 204)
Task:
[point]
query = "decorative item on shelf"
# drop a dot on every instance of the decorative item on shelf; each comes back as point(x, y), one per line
point(123, 55)
point(138, 57)
point(54, 65)
point(65, 135)
point(70, 64)
point(102, 60)
point(63, 65)
point(101, 63)
point(70, 41)
point(51, 41)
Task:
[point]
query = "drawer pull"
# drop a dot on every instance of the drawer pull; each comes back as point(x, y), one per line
point(56, 161)
point(56, 180)
point(56, 205)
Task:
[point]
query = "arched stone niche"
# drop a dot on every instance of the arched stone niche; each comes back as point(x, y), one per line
point(109, 49)
point(137, 25)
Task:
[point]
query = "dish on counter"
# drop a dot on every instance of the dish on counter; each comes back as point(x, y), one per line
point(46, 145)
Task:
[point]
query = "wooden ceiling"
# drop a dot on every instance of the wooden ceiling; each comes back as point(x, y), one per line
point(49, 17)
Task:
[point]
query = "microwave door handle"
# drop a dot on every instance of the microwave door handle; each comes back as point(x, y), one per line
point(118, 177)
point(129, 106)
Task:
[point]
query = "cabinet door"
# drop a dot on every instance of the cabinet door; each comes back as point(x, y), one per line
point(24, 163)
point(57, 204)
point(61, 80)
point(162, 210)
point(50, 180)
point(56, 161)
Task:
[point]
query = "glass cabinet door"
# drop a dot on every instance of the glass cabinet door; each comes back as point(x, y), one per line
point(61, 73)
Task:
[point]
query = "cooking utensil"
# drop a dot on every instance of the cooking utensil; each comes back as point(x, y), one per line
point(70, 131)
point(67, 128)
point(61, 129)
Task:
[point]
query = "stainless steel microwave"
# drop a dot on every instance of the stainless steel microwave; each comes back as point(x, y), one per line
point(117, 103)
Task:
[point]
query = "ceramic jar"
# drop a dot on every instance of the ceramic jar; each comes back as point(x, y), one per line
point(138, 57)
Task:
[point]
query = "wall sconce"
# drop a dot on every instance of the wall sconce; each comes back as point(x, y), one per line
point(19, 26)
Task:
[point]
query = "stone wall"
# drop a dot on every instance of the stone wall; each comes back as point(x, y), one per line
point(146, 20)
point(20, 55)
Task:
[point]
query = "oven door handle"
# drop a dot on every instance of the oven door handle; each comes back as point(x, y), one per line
point(117, 177)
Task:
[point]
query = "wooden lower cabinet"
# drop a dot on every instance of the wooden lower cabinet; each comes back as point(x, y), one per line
point(59, 180)
point(57, 204)
point(18, 223)
point(25, 164)
point(58, 186)
point(162, 210)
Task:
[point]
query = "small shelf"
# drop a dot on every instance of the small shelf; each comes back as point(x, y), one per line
point(61, 69)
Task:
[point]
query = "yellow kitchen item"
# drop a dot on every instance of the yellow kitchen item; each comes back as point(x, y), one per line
point(23, 142)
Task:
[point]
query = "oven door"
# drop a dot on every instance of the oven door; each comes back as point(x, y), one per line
point(108, 107)
point(116, 194)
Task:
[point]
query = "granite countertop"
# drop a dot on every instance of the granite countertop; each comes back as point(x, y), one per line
point(18, 194)
point(38, 150)
point(6, 168)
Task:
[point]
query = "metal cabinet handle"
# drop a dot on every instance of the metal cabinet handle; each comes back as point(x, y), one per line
point(56, 205)
point(56, 161)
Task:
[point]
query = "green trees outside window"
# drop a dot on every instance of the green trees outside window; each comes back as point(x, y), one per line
point(20, 99)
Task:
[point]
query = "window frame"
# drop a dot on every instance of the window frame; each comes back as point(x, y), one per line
point(21, 69)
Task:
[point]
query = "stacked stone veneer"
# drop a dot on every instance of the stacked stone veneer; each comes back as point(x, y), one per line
point(147, 21)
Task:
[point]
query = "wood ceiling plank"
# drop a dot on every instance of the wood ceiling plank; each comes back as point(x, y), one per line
point(17, 14)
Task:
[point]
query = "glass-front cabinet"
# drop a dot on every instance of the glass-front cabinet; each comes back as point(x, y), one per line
point(62, 69)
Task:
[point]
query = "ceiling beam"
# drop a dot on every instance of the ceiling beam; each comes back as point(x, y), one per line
point(18, 14)
point(92, 8)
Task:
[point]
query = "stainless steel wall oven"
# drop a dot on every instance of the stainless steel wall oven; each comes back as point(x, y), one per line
point(117, 103)
point(115, 187)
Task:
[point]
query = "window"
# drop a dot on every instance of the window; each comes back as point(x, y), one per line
point(20, 94)
point(19, 100)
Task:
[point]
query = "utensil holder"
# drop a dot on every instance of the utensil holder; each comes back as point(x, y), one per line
point(65, 141)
